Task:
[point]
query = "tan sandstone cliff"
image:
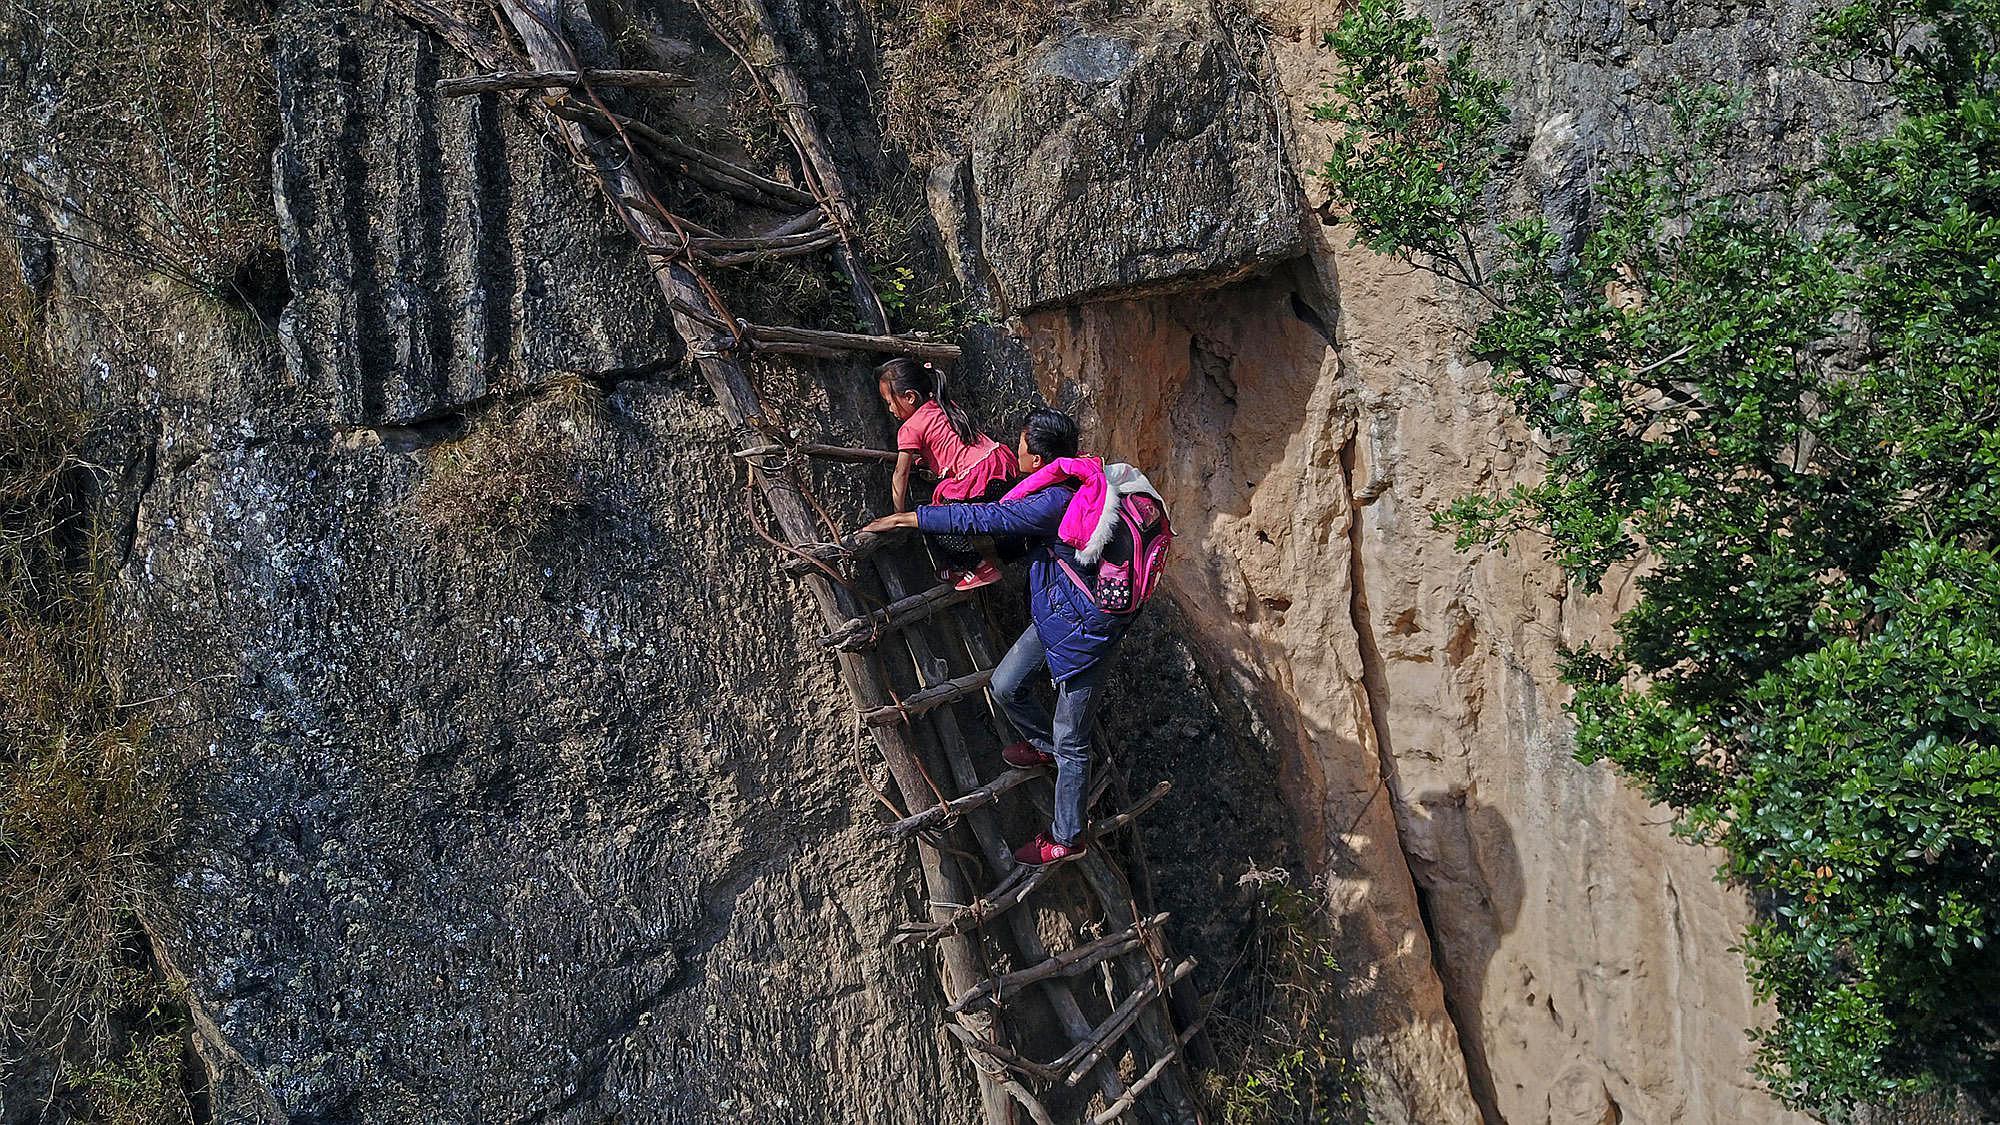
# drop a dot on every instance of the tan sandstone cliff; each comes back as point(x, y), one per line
point(1529, 943)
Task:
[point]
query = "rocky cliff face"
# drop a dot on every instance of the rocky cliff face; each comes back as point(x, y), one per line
point(566, 827)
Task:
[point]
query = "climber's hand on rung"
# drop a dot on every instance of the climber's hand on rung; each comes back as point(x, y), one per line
point(892, 522)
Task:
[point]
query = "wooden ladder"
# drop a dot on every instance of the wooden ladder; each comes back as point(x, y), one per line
point(909, 658)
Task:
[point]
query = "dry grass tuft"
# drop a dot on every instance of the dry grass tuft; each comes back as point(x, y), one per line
point(83, 791)
point(143, 130)
point(516, 471)
point(937, 55)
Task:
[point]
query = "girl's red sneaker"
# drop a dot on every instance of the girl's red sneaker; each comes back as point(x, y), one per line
point(1042, 851)
point(1022, 756)
point(985, 574)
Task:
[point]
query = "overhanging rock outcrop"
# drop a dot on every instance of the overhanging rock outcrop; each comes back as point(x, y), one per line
point(1124, 160)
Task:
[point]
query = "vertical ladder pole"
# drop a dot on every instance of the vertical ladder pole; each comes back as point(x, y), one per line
point(548, 51)
point(795, 110)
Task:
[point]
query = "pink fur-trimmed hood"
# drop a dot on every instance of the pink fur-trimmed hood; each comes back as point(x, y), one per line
point(1089, 521)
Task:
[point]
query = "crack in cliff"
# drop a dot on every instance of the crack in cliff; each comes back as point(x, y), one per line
point(454, 422)
point(1375, 690)
point(149, 475)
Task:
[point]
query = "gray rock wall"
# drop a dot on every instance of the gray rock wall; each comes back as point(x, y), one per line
point(566, 830)
point(1135, 156)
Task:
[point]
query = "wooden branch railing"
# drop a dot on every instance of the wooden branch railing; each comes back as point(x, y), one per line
point(558, 79)
point(929, 699)
point(985, 795)
point(1068, 963)
point(862, 632)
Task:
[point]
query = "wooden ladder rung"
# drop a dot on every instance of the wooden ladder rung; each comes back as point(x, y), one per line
point(1068, 963)
point(854, 547)
point(703, 167)
point(1112, 824)
point(1130, 1098)
point(814, 449)
point(1016, 887)
point(1083, 1058)
point(929, 699)
point(861, 632)
point(1018, 1063)
point(1087, 1052)
point(765, 334)
point(742, 251)
point(1023, 880)
point(957, 806)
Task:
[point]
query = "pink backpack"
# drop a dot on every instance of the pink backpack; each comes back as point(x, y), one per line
point(1135, 558)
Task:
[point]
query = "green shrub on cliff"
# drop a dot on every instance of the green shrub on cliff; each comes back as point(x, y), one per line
point(1788, 405)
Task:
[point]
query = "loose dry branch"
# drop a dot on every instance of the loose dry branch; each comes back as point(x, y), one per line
point(701, 166)
point(863, 632)
point(940, 814)
point(1120, 1021)
point(916, 346)
point(1068, 963)
point(823, 452)
point(1130, 1098)
point(1009, 894)
point(929, 699)
point(1019, 1063)
point(559, 79)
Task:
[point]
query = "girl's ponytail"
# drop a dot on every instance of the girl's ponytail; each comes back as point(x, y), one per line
point(907, 376)
point(961, 421)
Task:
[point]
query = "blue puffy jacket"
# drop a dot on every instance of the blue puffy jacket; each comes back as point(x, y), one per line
point(1074, 631)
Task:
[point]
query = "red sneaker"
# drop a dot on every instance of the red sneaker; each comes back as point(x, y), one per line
point(985, 574)
point(1025, 757)
point(1042, 851)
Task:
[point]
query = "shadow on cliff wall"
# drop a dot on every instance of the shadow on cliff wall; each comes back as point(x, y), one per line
point(1231, 400)
point(1469, 889)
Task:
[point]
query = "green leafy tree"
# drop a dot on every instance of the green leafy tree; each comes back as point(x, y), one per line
point(1786, 406)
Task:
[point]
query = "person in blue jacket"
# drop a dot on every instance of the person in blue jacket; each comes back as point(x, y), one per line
point(1075, 639)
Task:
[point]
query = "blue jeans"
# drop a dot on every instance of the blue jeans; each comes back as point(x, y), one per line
point(1067, 737)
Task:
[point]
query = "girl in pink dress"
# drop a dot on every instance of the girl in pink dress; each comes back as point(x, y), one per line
point(937, 435)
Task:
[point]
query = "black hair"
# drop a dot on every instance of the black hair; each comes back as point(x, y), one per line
point(1050, 433)
point(907, 376)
